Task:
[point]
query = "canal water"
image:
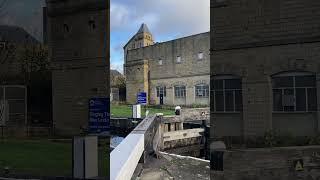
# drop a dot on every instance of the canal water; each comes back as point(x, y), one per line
point(115, 141)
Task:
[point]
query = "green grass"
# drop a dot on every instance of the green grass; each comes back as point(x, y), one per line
point(42, 158)
point(126, 110)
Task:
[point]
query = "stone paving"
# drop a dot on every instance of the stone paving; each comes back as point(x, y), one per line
point(170, 166)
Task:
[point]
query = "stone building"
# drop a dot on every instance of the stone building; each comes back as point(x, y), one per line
point(176, 71)
point(79, 51)
point(15, 42)
point(117, 86)
point(265, 67)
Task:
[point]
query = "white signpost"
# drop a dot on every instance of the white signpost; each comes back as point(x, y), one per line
point(85, 157)
point(4, 115)
point(136, 111)
point(4, 112)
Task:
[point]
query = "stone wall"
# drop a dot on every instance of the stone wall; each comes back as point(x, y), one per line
point(255, 40)
point(250, 23)
point(170, 98)
point(189, 114)
point(136, 79)
point(78, 33)
point(189, 71)
point(270, 163)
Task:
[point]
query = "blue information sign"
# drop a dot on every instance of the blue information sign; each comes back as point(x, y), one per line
point(99, 115)
point(142, 98)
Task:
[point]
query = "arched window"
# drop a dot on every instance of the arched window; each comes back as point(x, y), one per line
point(227, 93)
point(180, 91)
point(161, 90)
point(294, 91)
point(202, 91)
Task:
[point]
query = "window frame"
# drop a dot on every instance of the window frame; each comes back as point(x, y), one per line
point(206, 90)
point(223, 90)
point(178, 58)
point(183, 92)
point(160, 89)
point(202, 56)
point(294, 88)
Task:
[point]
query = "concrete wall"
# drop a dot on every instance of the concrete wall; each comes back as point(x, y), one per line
point(79, 59)
point(270, 163)
point(189, 70)
point(257, 40)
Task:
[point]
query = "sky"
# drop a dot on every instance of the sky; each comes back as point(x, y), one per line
point(166, 19)
point(24, 13)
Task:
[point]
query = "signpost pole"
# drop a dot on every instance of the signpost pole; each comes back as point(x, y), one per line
point(98, 128)
point(142, 99)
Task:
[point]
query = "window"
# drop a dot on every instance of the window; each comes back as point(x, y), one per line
point(2, 45)
point(160, 62)
point(92, 24)
point(200, 56)
point(178, 59)
point(227, 94)
point(202, 90)
point(180, 91)
point(66, 28)
point(294, 91)
point(161, 90)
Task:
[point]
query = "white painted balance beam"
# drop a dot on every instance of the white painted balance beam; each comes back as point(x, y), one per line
point(125, 157)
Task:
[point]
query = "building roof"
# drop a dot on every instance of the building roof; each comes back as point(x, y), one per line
point(143, 29)
point(114, 72)
point(15, 34)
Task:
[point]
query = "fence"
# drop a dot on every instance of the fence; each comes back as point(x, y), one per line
point(13, 105)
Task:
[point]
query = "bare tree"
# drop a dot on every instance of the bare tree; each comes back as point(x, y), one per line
point(118, 81)
point(34, 58)
point(7, 51)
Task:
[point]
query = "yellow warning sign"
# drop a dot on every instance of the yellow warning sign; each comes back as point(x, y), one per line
point(298, 165)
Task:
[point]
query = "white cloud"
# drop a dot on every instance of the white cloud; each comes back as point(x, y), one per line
point(166, 19)
point(164, 16)
point(119, 15)
point(117, 66)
